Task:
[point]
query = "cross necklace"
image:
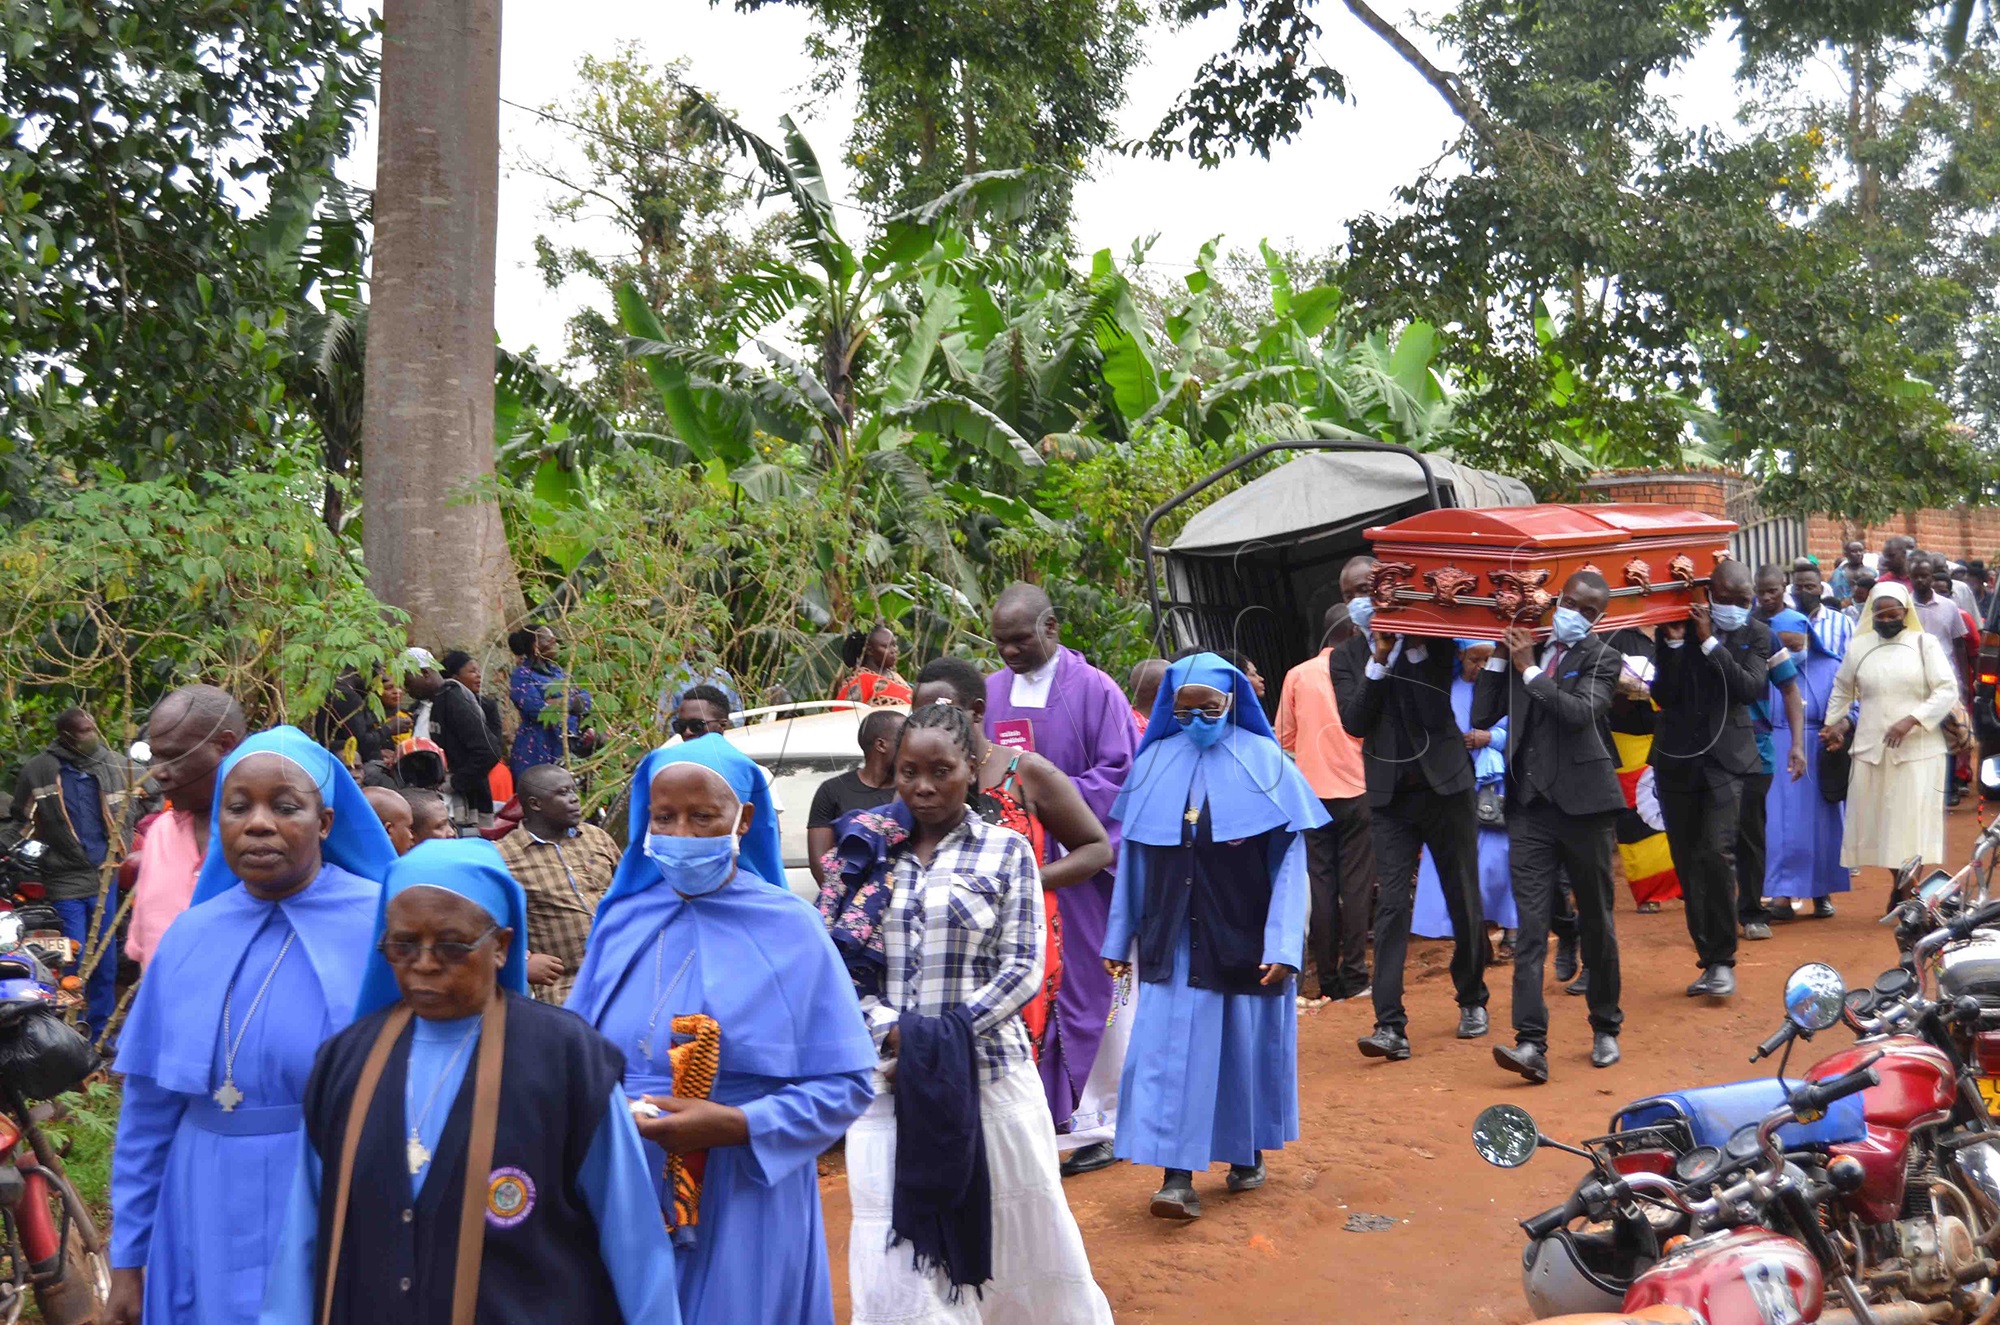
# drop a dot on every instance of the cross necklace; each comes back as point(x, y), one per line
point(414, 1149)
point(227, 1095)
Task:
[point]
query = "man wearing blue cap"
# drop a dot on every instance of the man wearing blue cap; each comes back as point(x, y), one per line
point(436, 1184)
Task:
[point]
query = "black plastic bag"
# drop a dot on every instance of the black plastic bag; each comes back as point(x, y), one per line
point(1834, 766)
point(41, 1055)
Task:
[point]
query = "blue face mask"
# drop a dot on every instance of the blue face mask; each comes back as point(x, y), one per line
point(1361, 611)
point(1727, 617)
point(693, 866)
point(1570, 625)
point(1204, 731)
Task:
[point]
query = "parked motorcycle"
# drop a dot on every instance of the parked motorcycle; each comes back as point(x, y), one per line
point(50, 1247)
point(1698, 1216)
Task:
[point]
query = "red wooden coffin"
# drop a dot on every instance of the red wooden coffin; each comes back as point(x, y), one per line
point(1473, 572)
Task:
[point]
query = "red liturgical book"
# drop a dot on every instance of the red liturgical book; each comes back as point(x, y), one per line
point(1015, 734)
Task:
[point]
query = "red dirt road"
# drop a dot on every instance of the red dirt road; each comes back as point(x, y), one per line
point(1392, 1139)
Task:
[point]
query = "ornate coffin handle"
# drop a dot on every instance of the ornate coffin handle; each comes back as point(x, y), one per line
point(1448, 582)
point(1385, 579)
point(1682, 568)
point(1519, 594)
point(1639, 575)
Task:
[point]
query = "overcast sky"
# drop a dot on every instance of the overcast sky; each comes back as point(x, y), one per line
point(1350, 158)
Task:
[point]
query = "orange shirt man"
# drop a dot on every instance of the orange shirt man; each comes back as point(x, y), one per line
point(1340, 857)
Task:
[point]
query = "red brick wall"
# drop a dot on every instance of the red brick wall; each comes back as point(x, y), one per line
point(1707, 493)
point(1962, 532)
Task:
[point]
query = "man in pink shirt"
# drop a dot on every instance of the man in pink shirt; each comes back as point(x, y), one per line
point(190, 732)
point(1340, 856)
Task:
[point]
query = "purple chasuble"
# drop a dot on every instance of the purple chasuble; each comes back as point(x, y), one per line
point(1087, 731)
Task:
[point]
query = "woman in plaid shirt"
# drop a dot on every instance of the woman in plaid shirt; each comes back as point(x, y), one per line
point(961, 928)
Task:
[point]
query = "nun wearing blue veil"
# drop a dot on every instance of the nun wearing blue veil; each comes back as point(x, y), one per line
point(246, 983)
point(446, 1035)
point(1212, 894)
point(697, 923)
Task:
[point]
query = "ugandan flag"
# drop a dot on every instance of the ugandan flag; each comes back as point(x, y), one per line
point(1642, 840)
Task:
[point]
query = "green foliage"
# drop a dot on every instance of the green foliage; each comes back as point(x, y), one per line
point(668, 187)
point(964, 88)
point(83, 1132)
point(161, 168)
point(1613, 285)
point(132, 588)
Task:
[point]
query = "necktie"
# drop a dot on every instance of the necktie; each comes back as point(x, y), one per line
point(1555, 657)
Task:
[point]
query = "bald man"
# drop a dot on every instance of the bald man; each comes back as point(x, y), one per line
point(1710, 669)
point(190, 731)
point(394, 811)
point(1049, 699)
point(565, 866)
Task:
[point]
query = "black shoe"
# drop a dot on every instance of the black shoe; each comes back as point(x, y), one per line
point(1245, 1177)
point(1823, 909)
point(1471, 1023)
point(1176, 1198)
point(1525, 1059)
point(1756, 929)
point(1715, 982)
point(1565, 960)
point(1088, 1159)
point(1386, 1042)
point(1604, 1050)
point(1579, 986)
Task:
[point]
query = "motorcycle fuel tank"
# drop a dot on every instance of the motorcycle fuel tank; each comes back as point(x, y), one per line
point(1917, 1084)
point(1745, 1276)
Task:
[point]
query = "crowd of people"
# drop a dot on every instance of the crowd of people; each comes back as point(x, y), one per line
point(1060, 925)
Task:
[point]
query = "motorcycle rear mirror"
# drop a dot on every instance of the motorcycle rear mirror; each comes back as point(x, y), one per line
point(141, 753)
point(1989, 774)
point(1505, 1135)
point(1813, 995)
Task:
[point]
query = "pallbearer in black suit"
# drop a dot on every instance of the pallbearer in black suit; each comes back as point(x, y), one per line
point(1710, 669)
point(1394, 692)
point(1563, 802)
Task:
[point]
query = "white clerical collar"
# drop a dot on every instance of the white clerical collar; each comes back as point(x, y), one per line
point(1030, 690)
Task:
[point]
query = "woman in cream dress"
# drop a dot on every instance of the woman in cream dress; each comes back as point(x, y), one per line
point(1906, 687)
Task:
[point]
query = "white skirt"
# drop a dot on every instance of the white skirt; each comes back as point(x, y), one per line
point(1041, 1274)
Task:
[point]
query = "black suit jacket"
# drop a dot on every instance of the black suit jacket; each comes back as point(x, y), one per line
point(1558, 741)
point(1705, 730)
point(1404, 720)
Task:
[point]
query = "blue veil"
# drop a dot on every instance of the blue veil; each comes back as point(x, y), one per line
point(769, 973)
point(471, 868)
point(356, 842)
point(760, 853)
point(1250, 785)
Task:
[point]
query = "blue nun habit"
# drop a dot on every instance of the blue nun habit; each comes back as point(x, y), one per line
point(1802, 831)
point(795, 1053)
point(197, 1191)
point(1211, 1074)
point(614, 1177)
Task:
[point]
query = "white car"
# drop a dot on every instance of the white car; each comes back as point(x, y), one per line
point(800, 746)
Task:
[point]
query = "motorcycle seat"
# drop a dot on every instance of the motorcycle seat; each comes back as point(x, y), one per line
point(1712, 1113)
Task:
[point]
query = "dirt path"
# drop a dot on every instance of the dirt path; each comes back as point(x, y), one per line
point(1391, 1139)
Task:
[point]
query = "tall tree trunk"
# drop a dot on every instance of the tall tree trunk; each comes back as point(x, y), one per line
point(428, 403)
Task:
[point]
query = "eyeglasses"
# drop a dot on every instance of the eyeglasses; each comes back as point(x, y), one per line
point(1213, 712)
point(690, 728)
point(401, 953)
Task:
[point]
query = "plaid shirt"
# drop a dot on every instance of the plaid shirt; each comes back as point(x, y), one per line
point(966, 931)
point(564, 881)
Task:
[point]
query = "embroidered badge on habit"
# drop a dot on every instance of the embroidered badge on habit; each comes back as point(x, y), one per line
point(510, 1197)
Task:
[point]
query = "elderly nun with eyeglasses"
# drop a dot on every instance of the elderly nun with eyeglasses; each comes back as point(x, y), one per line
point(1211, 905)
point(469, 1153)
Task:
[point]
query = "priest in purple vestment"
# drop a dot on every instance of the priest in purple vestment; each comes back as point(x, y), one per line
point(1049, 699)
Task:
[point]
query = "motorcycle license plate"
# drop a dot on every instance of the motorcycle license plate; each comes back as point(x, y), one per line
point(1989, 1093)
